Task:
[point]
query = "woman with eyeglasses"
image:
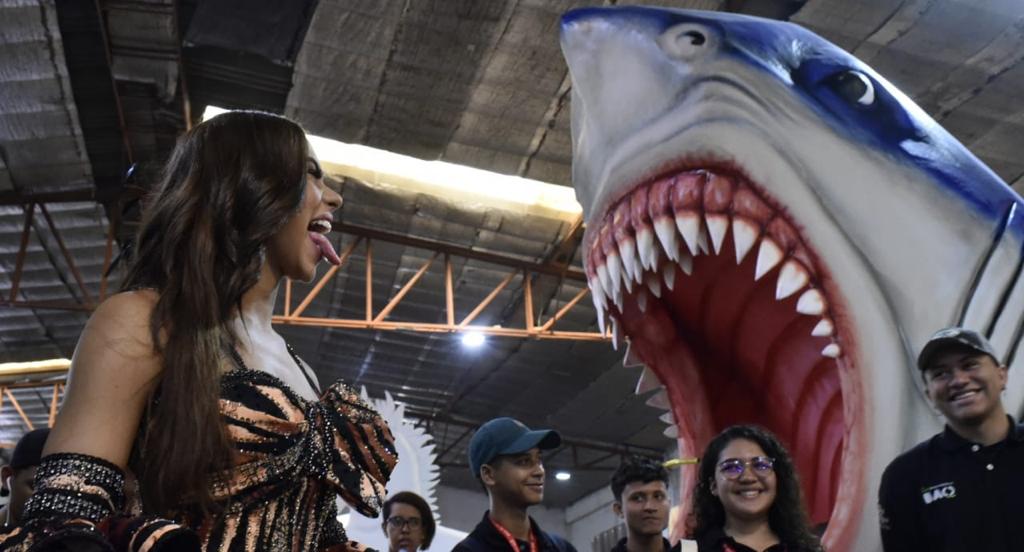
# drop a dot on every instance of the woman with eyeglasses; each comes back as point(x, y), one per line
point(748, 496)
point(408, 522)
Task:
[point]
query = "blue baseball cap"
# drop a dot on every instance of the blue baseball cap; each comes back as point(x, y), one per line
point(507, 436)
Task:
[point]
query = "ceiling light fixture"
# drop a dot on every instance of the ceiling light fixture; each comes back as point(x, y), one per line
point(563, 476)
point(473, 339)
point(439, 178)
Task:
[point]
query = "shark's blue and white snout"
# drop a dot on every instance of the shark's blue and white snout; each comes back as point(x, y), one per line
point(697, 133)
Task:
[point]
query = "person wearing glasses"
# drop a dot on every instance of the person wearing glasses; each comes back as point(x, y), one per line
point(962, 489)
point(748, 496)
point(640, 486)
point(408, 522)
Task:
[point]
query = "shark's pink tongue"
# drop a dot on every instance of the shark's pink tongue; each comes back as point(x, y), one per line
point(326, 249)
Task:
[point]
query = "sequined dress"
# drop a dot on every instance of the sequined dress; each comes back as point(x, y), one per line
point(293, 457)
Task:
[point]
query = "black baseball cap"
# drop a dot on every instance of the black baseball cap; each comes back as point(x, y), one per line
point(507, 436)
point(954, 336)
point(29, 449)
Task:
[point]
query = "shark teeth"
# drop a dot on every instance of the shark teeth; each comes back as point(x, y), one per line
point(744, 235)
point(812, 302)
point(717, 225)
point(632, 360)
point(653, 284)
point(689, 228)
point(792, 278)
point(648, 382)
point(659, 400)
point(645, 248)
point(661, 226)
point(768, 256)
point(667, 236)
point(823, 328)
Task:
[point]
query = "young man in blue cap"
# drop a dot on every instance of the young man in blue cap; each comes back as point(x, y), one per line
point(504, 455)
point(963, 489)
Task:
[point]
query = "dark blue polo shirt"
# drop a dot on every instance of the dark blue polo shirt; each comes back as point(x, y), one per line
point(949, 494)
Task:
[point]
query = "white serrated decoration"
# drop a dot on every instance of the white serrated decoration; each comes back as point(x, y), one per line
point(416, 471)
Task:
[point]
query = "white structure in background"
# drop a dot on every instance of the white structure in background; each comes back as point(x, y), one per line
point(416, 471)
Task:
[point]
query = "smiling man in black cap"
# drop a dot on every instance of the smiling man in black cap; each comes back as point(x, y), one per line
point(504, 455)
point(963, 489)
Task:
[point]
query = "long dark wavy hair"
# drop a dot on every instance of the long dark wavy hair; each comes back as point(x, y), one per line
point(230, 184)
point(787, 516)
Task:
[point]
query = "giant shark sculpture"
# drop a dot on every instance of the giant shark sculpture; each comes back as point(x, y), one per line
point(776, 229)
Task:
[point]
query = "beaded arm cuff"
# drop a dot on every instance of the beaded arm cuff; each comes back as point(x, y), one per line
point(78, 507)
point(76, 486)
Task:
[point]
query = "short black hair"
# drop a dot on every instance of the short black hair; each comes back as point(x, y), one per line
point(416, 501)
point(637, 468)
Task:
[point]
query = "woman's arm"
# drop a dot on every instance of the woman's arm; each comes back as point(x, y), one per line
point(113, 373)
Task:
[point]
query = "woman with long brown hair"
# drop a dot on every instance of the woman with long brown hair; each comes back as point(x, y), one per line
point(748, 496)
point(181, 380)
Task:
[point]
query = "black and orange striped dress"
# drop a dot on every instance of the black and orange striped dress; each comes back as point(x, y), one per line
point(293, 457)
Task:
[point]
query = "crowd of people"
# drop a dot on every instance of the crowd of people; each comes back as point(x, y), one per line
point(183, 366)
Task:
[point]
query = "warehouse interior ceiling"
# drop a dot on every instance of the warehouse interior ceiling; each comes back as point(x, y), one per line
point(89, 89)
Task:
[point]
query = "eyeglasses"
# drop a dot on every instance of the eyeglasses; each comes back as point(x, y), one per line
point(397, 522)
point(732, 468)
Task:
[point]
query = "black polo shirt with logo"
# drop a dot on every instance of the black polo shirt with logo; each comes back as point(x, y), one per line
point(949, 494)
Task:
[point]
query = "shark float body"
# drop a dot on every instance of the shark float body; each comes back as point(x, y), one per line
point(777, 230)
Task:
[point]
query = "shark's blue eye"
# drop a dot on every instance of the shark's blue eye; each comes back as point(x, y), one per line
point(856, 102)
point(853, 86)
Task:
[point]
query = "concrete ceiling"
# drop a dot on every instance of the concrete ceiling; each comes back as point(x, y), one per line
point(85, 93)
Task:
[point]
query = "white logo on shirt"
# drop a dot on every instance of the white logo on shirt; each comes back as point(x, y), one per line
point(938, 492)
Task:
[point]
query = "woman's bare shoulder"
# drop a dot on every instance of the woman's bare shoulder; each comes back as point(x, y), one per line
point(119, 334)
point(114, 370)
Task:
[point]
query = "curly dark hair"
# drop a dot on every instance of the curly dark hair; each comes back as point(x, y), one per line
point(637, 468)
point(787, 517)
point(416, 501)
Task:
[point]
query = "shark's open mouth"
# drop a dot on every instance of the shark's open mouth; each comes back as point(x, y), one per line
point(724, 300)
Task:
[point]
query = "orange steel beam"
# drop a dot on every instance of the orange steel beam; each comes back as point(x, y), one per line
point(53, 404)
point(17, 406)
point(19, 262)
point(528, 301)
point(287, 296)
point(459, 251)
point(568, 306)
point(487, 301)
point(405, 289)
point(528, 270)
point(436, 328)
point(369, 280)
point(67, 254)
point(324, 279)
point(39, 383)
